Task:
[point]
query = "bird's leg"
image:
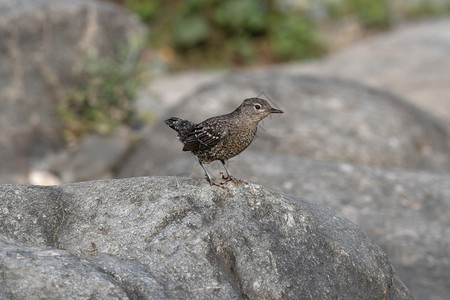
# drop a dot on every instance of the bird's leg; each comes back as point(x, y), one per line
point(228, 177)
point(208, 177)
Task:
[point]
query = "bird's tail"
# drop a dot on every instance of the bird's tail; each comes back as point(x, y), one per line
point(183, 127)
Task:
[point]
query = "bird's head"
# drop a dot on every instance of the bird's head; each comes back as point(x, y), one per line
point(257, 109)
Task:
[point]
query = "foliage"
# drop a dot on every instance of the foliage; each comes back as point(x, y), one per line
point(237, 16)
point(207, 33)
point(427, 8)
point(190, 31)
point(145, 9)
point(294, 32)
point(100, 100)
point(371, 13)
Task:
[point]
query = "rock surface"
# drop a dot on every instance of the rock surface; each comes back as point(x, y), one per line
point(94, 157)
point(160, 96)
point(411, 61)
point(324, 118)
point(42, 43)
point(406, 213)
point(168, 237)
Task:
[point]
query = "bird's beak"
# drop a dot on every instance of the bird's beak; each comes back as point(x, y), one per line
point(275, 111)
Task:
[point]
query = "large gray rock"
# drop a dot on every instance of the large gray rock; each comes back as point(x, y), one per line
point(406, 213)
point(94, 157)
point(411, 61)
point(42, 43)
point(168, 237)
point(324, 118)
point(35, 273)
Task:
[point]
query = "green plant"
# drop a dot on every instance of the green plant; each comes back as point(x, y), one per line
point(190, 31)
point(206, 33)
point(100, 100)
point(293, 36)
point(238, 16)
point(371, 13)
point(145, 9)
point(426, 8)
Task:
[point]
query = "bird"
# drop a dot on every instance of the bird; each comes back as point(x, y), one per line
point(222, 137)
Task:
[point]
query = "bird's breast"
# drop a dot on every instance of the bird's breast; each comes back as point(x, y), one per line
point(238, 139)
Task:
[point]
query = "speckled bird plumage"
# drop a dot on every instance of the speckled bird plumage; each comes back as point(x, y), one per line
point(222, 137)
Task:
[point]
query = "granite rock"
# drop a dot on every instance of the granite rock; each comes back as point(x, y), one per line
point(173, 238)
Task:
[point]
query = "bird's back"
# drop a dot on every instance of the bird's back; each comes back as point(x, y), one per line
point(207, 134)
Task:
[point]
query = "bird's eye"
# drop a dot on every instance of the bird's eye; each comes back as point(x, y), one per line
point(257, 106)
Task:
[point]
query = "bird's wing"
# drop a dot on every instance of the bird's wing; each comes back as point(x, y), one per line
point(204, 136)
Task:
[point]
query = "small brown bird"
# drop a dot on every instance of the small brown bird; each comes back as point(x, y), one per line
point(222, 137)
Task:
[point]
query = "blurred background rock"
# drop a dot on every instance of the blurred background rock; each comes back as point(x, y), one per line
point(85, 85)
point(64, 72)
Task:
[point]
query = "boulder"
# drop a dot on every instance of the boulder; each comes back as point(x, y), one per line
point(43, 43)
point(48, 273)
point(94, 157)
point(158, 96)
point(168, 237)
point(411, 61)
point(406, 213)
point(327, 119)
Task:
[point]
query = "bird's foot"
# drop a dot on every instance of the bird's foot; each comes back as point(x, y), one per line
point(230, 178)
point(213, 183)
